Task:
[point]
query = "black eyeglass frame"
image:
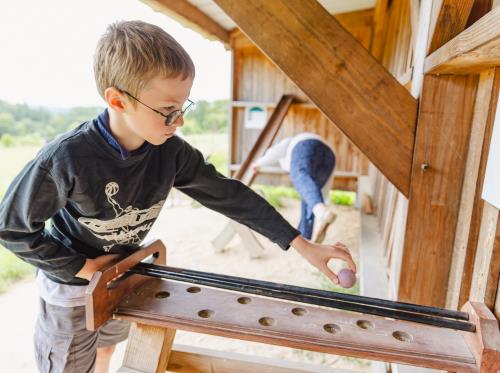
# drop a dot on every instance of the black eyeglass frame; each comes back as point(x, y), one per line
point(170, 118)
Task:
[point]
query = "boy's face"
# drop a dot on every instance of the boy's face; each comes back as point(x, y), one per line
point(165, 96)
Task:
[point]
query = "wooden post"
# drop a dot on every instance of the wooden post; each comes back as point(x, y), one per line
point(438, 170)
point(471, 191)
point(148, 349)
point(477, 211)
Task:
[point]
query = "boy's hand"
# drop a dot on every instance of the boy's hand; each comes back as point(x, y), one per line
point(319, 255)
point(93, 265)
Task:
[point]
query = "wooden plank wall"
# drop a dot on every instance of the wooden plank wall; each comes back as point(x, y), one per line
point(475, 255)
point(256, 80)
point(395, 32)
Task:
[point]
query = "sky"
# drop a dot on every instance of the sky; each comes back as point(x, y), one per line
point(47, 48)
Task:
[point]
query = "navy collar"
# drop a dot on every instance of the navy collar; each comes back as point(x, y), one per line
point(103, 127)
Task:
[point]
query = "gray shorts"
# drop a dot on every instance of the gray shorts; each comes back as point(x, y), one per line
point(63, 344)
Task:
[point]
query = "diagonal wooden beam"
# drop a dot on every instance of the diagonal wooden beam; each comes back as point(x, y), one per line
point(450, 20)
point(473, 50)
point(247, 176)
point(341, 77)
point(188, 14)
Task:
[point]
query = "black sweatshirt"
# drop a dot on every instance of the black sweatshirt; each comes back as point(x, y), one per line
point(102, 203)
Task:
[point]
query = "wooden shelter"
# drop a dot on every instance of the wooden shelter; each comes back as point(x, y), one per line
point(406, 91)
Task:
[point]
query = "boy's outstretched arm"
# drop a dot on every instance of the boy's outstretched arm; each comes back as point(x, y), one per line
point(232, 198)
point(319, 255)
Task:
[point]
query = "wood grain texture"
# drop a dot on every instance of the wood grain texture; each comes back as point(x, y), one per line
point(477, 212)
point(451, 19)
point(265, 139)
point(471, 185)
point(148, 349)
point(101, 297)
point(192, 17)
point(258, 82)
point(218, 312)
point(337, 74)
point(485, 343)
point(188, 359)
point(486, 264)
point(475, 49)
point(444, 126)
point(493, 277)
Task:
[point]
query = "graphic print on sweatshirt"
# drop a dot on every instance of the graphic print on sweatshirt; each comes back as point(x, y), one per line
point(127, 224)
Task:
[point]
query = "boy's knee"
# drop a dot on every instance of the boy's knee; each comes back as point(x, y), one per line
point(105, 353)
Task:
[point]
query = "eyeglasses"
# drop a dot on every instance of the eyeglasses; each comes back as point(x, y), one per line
point(170, 117)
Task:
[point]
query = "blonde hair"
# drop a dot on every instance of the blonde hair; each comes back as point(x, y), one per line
point(131, 53)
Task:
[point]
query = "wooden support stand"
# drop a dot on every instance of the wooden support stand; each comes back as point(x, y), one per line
point(159, 307)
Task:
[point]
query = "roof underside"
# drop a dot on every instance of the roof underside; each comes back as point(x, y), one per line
point(333, 6)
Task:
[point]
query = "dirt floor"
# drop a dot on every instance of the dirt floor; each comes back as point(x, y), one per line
point(187, 232)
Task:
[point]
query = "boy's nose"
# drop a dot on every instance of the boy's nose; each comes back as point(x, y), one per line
point(179, 122)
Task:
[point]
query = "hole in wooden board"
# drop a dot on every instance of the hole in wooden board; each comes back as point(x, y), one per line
point(162, 294)
point(364, 324)
point(193, 289)
point(332, 328)
point(267, 321)
point(299, 311)
point(206, 313)
point(402, 336)
point(244, 300)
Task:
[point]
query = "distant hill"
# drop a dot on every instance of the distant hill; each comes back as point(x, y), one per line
point(22, 120)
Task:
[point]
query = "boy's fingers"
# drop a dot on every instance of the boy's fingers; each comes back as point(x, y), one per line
point(346, 256)
point(330, 274)
point(341, 246)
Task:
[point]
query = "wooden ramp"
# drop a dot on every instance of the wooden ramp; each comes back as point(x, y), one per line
point(159, 307)
point(211, 311)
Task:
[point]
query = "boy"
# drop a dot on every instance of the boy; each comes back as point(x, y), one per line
point(104, 183)
point(310, 162)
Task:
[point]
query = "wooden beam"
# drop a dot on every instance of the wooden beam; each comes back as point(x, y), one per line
point(445, 118)
point(477, 211)
point(379, 29)
point(191, 16)
point(265, 139)
point(338, 75)
point(148, 349)
point(247, 176)
point(421, 38)
point(493, 276)
point(486, 265)
point(475, 49)
point(188, 359)
point(451, 19)
point(472, 186)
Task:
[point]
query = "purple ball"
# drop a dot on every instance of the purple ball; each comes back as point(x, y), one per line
point(347, 278)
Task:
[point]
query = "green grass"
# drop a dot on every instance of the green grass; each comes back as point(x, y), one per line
point(340, 197)
point(275, 194)
point(219, 160)
point(13, 160)
point(12, 269)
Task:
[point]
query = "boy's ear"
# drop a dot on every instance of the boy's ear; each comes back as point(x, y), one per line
point(115, 99)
